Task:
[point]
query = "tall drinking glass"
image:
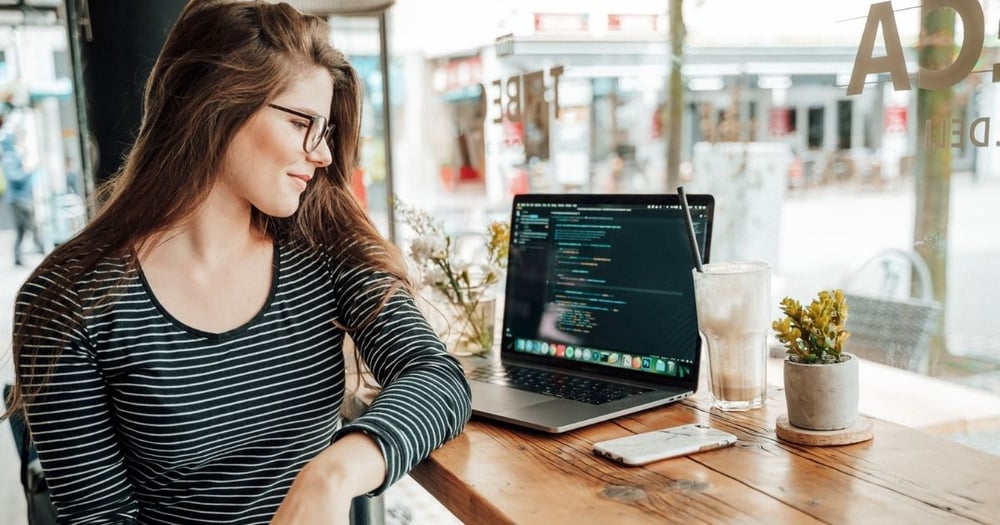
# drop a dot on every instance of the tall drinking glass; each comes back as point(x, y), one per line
point(732, 300)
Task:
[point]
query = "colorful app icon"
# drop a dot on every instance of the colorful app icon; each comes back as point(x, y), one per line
point(626, 360)
point(661, 366)
point(561, 350)
point(636, 362)
point(586, 355)
point(613, 358)
point(545, 348)
point(595, 356)
point(647, 363)
point(671, 368)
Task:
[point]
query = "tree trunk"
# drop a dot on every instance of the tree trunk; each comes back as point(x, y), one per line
point(675, 96)
point(933, 163)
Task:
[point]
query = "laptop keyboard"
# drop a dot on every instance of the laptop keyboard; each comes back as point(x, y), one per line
point(593, 391)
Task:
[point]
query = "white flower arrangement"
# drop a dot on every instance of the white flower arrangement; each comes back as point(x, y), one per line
point(463, 283)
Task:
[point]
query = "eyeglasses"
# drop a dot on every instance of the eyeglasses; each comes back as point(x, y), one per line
point(318, 131)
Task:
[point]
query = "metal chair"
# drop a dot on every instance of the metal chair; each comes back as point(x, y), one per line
point(890, 326)
point(40, 510)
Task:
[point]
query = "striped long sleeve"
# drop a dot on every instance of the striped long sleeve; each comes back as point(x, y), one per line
point(427, 398)
point(147, 419)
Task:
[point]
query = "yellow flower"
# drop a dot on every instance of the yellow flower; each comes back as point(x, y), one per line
point(815, 333)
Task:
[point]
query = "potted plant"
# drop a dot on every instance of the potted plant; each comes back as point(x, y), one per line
point(821, 380)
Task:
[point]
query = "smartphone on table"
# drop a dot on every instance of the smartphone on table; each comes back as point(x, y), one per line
point(640, 449)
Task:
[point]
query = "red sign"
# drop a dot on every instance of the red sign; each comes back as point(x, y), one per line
point(513, 133)
point(895, 118)
point(560, 22)
point(780, 122)
point(634, 23)
point(458, 73)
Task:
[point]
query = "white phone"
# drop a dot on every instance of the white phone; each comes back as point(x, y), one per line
point(640, 449)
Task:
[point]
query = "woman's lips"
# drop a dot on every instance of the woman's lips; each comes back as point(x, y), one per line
point(302, 180)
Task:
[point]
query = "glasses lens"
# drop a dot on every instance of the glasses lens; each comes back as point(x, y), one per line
point(316, 134)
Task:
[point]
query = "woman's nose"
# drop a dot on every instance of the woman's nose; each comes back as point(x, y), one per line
point(322, 156)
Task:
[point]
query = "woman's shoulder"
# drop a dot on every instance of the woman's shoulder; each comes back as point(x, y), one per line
point(343, 253)
point(350, 262)
point(73, 274)
point(296, 252)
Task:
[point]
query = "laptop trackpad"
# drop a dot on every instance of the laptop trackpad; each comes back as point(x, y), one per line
point(491, 398)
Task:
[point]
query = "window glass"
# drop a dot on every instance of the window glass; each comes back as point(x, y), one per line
point(499, 98)
point(39, 115)
point(865, 182)
point(359, 38)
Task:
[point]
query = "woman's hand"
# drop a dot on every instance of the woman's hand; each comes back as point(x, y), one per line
point(314, 499)
point(323, 490)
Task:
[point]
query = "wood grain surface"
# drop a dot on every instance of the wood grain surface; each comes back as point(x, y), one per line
point(494, 473)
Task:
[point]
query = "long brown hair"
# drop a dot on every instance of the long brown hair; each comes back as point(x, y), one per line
point(222, 61)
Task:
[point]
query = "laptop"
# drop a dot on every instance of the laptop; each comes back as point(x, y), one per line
point(599, 316)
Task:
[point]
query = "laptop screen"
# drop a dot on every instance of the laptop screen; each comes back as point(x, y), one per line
point(603, 282)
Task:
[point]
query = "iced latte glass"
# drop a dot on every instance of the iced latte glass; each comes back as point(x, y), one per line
point(733, 302)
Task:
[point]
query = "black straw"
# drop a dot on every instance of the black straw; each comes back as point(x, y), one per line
point(690, 228)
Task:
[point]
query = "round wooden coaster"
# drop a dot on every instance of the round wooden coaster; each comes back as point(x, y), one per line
point(861, 431)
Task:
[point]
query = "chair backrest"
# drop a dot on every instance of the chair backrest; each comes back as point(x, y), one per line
point(885, 327)
point(40, 509)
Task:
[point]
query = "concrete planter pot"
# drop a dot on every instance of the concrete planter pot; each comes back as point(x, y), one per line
point(822, 396)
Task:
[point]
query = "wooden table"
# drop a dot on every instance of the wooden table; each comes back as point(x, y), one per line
point(493, 473)
point(930, 404)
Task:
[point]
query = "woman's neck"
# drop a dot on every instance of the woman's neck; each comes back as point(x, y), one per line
point(218, 233)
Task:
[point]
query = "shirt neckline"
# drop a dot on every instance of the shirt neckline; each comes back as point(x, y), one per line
point(275, 272)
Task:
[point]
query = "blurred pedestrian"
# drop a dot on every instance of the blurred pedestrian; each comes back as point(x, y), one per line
point(20, 194)
point(74, 184)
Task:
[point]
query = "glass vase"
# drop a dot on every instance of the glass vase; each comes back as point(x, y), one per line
point(467, 325)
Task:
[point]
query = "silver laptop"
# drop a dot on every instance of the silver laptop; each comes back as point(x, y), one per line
point(599, 315)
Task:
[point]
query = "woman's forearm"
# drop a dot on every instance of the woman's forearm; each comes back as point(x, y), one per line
point(322, 492)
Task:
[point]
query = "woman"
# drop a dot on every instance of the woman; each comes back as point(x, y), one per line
point(180, 360)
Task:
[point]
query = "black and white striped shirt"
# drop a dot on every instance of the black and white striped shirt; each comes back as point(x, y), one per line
point(150, 420)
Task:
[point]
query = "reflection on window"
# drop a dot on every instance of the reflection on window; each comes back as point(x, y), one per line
point(806, 177)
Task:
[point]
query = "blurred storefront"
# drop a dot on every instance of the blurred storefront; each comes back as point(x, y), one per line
point(469, 103)
point(37, 104)
point(498, 98)
point(557, 97)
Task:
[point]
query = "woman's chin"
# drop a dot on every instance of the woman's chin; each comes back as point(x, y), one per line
point(280, 210)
